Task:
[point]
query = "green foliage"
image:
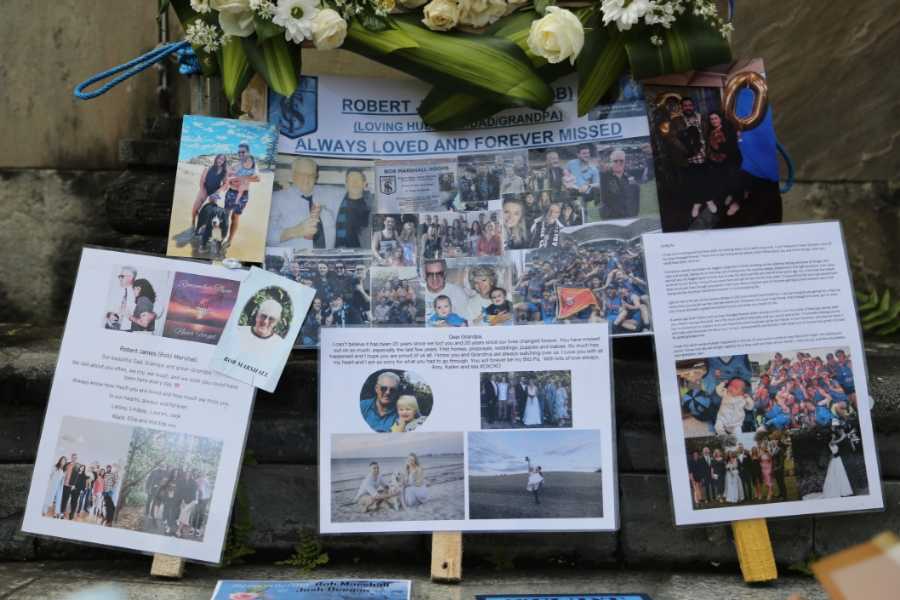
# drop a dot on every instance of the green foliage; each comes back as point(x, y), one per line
point(540, 6)
point(877, 314)
point(248, 314)
point(237, 543)
point(600, 64)
point(308, 554)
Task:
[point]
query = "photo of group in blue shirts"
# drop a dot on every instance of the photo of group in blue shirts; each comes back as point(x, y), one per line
point(771, 427)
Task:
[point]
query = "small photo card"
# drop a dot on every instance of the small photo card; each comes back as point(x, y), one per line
point(324, 589)
point(223, 189)
point(259, 335)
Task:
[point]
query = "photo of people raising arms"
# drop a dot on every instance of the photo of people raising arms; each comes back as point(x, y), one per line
point(771, 427)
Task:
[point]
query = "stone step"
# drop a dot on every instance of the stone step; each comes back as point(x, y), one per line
point(55, 580)
point(149, 153)
point(282, 501)
point(140, 202)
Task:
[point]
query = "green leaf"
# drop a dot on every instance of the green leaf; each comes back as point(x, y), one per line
point(491, 68)
point(236, 71)
point(540, 6)
point(276, 61)
point(447, 110)
point(600, 64)
point(690, 44)
point(373, 22)
point(265, 28)
point(374, 44)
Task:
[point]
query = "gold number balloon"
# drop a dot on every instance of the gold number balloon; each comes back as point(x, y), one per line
point(760, 89)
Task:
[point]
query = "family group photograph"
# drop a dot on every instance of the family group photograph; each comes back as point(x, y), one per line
point(526, 399)
point(548, 474)
point(134, 478)
point(772, 427)
point(222, 189)
point(397, 477)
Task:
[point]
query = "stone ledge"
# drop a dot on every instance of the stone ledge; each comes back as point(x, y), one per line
point(55, 580)
point(283, 501)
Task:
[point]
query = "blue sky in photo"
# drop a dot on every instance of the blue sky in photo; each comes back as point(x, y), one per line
point(504, 452)
point(208, 135)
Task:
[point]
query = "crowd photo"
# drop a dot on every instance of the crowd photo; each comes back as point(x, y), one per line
point(322, 203)
point(597, 278)
point(133, 478)
point(342, 289)
point(221, 193)
point(397, 296)
point(394, 240)
point(771, 427)
point(526, 399)
point(705, 181)
point(395, 401)
point(484, 178)
point(460, 234)
point(535, 474)
point(397, 477)
point(137, 300)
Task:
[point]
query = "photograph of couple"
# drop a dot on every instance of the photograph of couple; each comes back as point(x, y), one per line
point(468, 292)
point(395, 401)
point(712, 171)
point(785, 424)
point(321, 203)
point(394, 240)
point(397, 477)
point(222, 189)
point(132, 478)
point(535, 474)
point(526, 399)
point(137, 301)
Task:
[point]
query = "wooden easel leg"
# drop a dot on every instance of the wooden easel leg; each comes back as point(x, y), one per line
point(754, 550)
point(446, 556)
point(167, 566)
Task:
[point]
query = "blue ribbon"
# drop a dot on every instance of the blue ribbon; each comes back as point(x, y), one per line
point(789, 180)
point(129, 69)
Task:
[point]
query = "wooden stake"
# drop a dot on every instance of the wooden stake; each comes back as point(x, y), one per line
point(446, 556)
point(754, 550)
point(167, 566)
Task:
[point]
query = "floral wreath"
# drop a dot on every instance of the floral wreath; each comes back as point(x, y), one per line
point(480, 56)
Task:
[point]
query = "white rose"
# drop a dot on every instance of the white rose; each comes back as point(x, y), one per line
point(441, 15)
point(239, 24)
point(479, 13)
point(328, 29)
point(230, 6)
point(411, 3)
point(557, 36)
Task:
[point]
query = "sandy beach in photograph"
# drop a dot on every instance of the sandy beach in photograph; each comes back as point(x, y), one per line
point(250, 242)
point(565, 494)
point(446, 491)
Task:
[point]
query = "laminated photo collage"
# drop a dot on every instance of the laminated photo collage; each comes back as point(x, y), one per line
point(542, 236)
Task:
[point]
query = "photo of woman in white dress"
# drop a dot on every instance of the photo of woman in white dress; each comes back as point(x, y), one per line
point(535, 480)
point(532, 416)
point(415, 488)
point(837, 484)
point(734, 489)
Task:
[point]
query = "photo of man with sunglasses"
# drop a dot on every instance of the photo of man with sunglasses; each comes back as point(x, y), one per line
point(380, 411)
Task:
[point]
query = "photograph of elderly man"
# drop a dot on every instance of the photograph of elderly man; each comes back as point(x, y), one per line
point(393, 400)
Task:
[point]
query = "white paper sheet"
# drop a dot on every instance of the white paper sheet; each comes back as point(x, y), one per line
point(146, 405)
point(747, 295)
point(471, 438)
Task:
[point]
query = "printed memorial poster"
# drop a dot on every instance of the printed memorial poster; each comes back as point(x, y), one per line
point(762, 374)
point(445, 429)
point(223, 189)
point(360, 174)
point(714, 147)
point(142, 443)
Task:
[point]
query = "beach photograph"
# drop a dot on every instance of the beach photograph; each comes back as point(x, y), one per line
point(223, 189)
point(545, 474)
point(397, 477)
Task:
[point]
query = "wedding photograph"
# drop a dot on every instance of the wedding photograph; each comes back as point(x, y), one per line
point(396, 477)
point(549, 474)
point(146, 480)
point(526, 399)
